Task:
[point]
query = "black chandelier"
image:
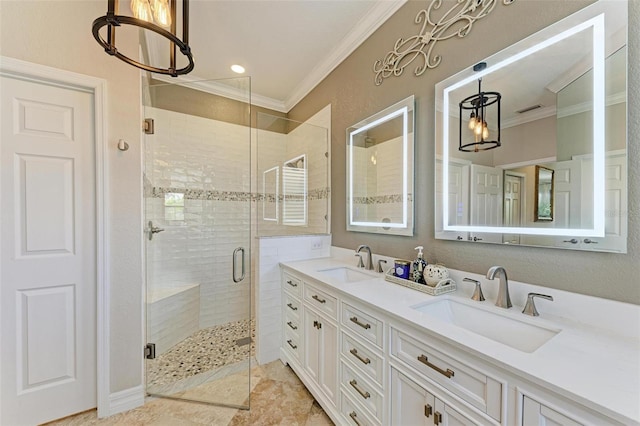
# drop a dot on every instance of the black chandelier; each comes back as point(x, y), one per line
point(158, 16)
point(484, 114)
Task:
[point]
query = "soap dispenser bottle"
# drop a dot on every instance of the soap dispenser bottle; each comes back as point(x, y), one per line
point(419, 266)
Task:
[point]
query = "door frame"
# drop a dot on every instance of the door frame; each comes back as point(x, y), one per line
point(16, 68)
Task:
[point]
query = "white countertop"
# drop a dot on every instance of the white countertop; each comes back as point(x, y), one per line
point(594, 360)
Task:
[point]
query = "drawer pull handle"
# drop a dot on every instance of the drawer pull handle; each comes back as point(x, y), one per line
point(365, 326)
point(354, 352)
point(428, 410)
point(364, 394)
point(291, 344)
point(449, 373)
point(315, 296)
point(292, 307)
point(317, 325)
point(353, 416)
point(437, 418)
point(293, 327)
point(292, 284)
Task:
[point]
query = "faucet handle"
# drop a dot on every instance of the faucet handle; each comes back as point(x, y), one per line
point(530, 307)
point(477, 293)
point(379, 265)
point(360, 262)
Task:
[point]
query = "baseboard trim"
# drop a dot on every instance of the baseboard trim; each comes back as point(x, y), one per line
point(125, 400)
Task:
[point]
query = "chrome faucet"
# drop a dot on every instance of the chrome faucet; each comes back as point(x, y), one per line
point(503, 300)
point(369, 259)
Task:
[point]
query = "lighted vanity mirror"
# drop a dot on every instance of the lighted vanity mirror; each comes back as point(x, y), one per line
point(563, 108)
point(380, 171)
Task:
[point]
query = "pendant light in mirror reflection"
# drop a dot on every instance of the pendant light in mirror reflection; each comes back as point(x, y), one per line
point(160, 19)
point(483, 109)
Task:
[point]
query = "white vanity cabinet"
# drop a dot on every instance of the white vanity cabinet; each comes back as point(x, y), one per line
point(367, 365)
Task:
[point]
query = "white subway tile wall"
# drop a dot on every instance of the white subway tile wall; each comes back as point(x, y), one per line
point(208, 161)
point(273, 149)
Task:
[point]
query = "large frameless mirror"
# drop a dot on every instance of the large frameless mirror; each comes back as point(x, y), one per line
point(557, 177)
point(380, 171)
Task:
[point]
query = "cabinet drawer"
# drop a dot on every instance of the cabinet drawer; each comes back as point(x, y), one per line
point(362, 324)
point(291, 284)
point(353, 414)
point(292, 307)
point(475, 387)
point(292, 323)
point(361, 390)
point(292, 344)
point(366, 360)
point(321, 301)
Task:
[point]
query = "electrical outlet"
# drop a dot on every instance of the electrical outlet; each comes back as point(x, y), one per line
point(316, 244)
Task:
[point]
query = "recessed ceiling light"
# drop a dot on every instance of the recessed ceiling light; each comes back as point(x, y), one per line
point(237, 68)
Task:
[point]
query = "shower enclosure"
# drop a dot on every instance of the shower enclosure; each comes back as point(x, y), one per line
point(197, 193)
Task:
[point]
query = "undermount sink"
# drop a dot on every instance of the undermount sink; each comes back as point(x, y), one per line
point(509, 331)
point(346, 275)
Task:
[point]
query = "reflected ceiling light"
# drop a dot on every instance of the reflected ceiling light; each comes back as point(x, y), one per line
point(484, 113)
point(237, 69)
point(158, 16)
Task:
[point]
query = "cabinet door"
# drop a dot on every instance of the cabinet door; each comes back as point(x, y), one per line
point(311, 344)
point(410, 404)
point(446, 415)
point(321, 352)
point(536, 414)
point(328, 349)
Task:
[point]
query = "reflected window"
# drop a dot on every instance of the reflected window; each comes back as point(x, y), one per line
point(173, 206)
point(294, 190)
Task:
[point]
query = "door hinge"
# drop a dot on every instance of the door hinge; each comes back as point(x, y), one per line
point(150, 351)
point(148, 126)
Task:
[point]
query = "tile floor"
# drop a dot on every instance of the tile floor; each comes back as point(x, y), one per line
point(277, 398)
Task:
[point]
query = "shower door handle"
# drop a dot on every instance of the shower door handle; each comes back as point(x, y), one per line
point(235, 257)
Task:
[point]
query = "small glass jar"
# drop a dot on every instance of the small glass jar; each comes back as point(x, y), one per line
point(402, 268)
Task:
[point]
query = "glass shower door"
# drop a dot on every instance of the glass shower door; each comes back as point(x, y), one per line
point(197, 231)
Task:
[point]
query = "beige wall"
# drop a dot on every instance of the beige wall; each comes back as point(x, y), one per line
point(58, 34)
point(350, 90)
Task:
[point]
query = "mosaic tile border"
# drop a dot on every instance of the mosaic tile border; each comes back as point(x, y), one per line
point(382, 199)
point(201, 194)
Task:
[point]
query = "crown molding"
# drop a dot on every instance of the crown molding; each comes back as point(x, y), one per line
point(366, 26)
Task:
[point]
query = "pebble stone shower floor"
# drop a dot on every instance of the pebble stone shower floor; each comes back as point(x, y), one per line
point(205, 350)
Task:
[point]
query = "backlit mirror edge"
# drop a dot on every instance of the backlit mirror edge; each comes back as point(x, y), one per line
point(442, 202)
point(406, 107)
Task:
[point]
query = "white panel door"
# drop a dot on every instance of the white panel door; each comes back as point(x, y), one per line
point(458, 200)
point(486, 201)
point(615, 203)
point(47, 252)
point(513, 209)
point(567, 200)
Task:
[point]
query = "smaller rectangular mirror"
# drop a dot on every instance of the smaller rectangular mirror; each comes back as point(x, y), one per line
point(544, 194)
point(271, 194)
point(380, 171)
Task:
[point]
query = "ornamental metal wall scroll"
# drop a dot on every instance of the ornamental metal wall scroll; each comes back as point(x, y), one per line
point(456, 22)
